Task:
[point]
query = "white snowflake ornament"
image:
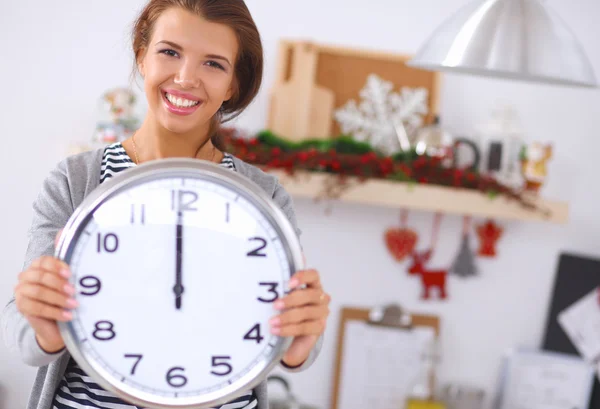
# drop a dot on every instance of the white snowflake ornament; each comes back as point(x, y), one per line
point(383, 115)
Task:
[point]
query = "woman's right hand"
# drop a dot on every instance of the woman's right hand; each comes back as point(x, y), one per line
point(43, 295)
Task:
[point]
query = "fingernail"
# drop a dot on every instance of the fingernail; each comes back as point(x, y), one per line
point(279, 305)
point(276, 330)
point(72, 303)
point(69, 289)
point(67, 315)
point(293, 283)
point(275, 321)
point(65, 272)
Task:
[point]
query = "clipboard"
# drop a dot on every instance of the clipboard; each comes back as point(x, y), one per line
point(390, 316)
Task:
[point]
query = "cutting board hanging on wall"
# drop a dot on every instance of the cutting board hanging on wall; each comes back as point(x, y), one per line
point(300, 109)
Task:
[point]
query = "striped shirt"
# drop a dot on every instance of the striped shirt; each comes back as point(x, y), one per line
point(76, 389)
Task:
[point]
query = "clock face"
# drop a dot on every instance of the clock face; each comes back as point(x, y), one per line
point(176, 279)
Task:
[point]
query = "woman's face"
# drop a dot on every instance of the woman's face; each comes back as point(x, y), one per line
point(188, 70)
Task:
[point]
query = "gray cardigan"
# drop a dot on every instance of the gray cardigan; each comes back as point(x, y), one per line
point(62, 192)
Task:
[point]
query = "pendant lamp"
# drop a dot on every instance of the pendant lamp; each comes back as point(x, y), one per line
point(512, 39)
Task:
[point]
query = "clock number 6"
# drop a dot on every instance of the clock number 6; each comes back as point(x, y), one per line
point(176, 380)
point(218, 361)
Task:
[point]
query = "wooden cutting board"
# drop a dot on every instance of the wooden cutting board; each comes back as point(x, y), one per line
point(301, 109)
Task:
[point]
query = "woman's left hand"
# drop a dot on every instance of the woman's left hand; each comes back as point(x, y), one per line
point(304, 313)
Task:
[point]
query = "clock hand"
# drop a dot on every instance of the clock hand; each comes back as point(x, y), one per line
point(178, 288)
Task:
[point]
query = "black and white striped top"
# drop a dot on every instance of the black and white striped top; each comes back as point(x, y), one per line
point(76, 389)
point(115, 159)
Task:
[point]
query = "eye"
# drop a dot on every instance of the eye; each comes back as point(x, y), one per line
point(215, 64)
point(169, 52)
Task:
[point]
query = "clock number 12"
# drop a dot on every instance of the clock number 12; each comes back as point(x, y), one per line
point(184, 200)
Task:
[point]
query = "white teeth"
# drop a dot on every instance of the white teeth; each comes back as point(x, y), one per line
point(181, 102)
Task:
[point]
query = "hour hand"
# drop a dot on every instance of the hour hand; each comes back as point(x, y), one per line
point(178, 290)
point(178, 287)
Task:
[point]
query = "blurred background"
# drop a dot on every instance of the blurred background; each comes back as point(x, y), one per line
point(60, 58)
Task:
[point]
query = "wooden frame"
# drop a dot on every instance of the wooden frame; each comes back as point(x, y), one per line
point(336, 74)
point(364, 315)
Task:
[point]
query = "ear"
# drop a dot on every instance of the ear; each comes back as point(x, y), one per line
point(231, 91)
point(140, 63)
point(141, 69)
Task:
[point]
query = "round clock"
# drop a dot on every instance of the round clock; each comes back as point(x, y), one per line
point(176, 265)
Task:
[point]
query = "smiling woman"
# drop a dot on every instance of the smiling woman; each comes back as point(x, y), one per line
point(202, 64)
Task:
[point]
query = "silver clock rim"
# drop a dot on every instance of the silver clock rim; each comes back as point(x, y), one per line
point(181, 167)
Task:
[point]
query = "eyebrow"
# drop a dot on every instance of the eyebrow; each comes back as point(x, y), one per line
point(180, 48)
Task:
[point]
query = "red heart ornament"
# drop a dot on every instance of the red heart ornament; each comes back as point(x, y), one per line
point(400, 242)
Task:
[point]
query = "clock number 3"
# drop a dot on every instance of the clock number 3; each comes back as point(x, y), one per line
point(272, 290)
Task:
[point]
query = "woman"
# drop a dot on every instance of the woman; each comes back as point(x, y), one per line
point(201, 61)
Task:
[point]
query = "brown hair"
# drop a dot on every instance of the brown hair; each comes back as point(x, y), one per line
point(233, 13)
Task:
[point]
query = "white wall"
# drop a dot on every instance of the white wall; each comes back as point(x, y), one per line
point(58, 57)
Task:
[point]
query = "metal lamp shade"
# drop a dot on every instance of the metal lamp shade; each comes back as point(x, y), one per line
point(512, 39)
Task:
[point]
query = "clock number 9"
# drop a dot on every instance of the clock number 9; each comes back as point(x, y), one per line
point(176, 380)
point(91, 283)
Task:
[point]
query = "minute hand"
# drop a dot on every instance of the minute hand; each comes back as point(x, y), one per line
point(178, 288)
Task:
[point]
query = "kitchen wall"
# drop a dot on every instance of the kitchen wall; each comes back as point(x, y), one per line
point(59, 57)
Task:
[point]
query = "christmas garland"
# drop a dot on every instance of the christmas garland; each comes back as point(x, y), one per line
point(353, 161)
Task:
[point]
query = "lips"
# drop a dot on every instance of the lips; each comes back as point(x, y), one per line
point(180, 103)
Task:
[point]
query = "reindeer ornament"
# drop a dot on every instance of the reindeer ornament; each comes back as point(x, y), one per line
point(430, 279)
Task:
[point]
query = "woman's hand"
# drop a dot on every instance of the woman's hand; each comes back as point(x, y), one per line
point(304, 315)
point(43, 295)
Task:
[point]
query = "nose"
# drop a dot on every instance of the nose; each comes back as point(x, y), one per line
point(187, 77)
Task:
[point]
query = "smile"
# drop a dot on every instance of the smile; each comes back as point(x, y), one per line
point(180, 102)
point(180, 105)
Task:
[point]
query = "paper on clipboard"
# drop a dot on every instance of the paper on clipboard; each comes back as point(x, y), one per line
point(581, 322)
point(546, 380)
point(380, 364)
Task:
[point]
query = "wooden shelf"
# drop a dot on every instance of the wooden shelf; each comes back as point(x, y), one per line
point(425, 197)
point(418, 197)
